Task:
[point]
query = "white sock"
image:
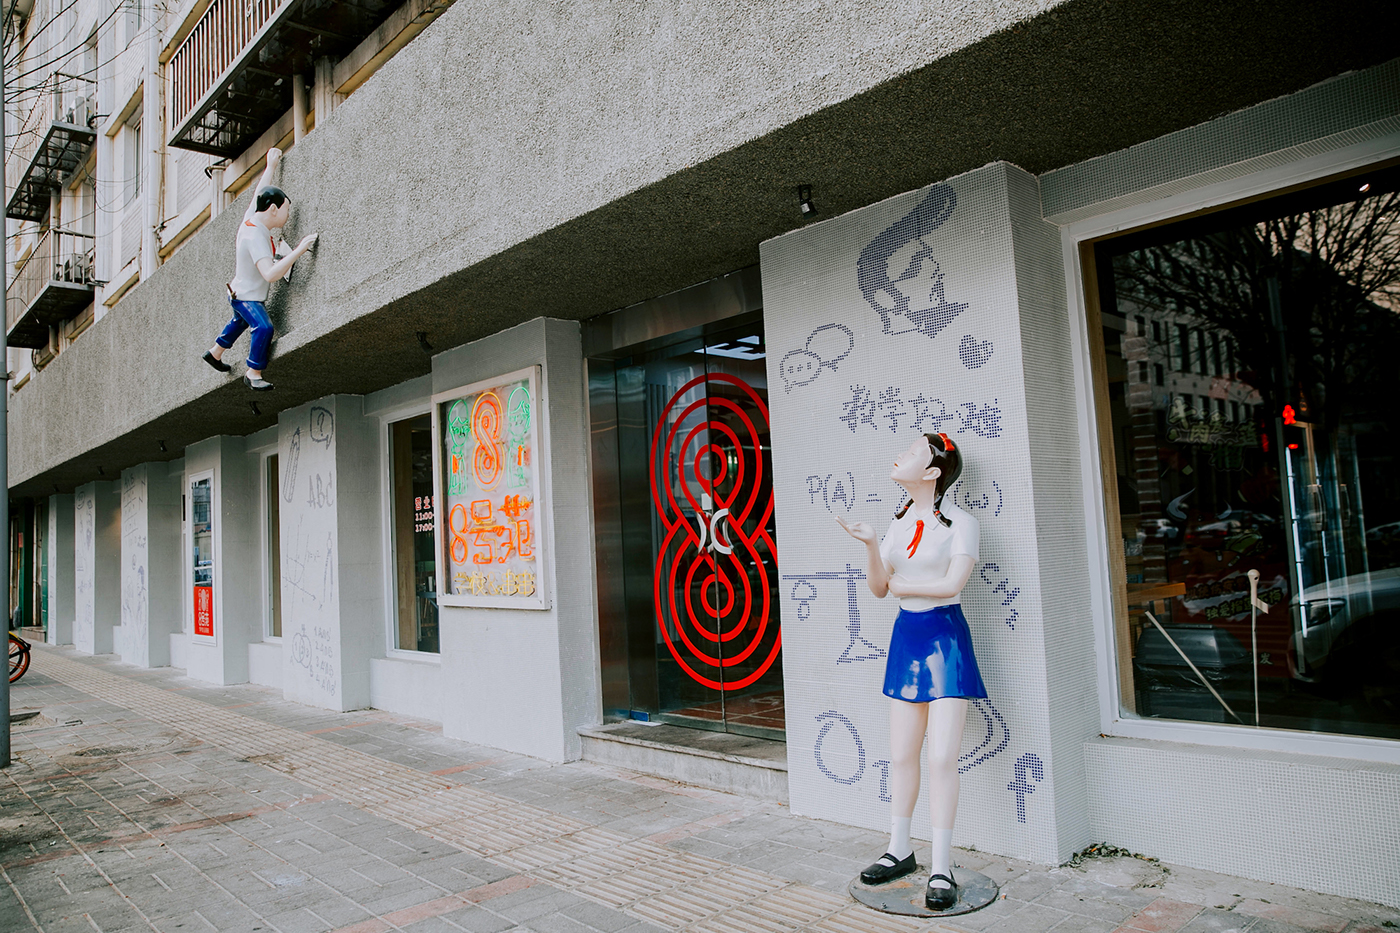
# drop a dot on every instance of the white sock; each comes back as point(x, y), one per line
point(900, 846)
point(940, 860)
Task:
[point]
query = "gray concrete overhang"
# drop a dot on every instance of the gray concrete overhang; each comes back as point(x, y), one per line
point(512, 162)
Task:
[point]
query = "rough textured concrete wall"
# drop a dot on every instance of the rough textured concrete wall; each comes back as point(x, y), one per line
point(60, 565)
point(497, 662)
point(573, 159)
point(136, 567)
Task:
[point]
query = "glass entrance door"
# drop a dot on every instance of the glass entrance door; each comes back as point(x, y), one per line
point(694, 550)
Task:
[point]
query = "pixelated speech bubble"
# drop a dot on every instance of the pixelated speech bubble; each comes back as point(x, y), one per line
point(826, 346)
point(799, 368)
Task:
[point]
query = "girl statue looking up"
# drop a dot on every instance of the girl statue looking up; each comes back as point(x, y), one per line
point(925, 560)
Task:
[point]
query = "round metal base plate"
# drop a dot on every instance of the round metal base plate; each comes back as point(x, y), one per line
point(905, 895)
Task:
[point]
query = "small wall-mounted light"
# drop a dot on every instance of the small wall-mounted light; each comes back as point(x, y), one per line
point(256, 409)
point(101, 472)
point(162, 446)
point(423, 341)
point(804, 201)
point(1366, 187)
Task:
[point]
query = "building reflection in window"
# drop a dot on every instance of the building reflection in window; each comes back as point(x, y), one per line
point(1265, 440)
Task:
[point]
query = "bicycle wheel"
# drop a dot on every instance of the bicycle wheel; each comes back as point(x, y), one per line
point(19, 658)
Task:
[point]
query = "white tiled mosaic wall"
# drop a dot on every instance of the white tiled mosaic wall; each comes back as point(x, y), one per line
point(902, 317)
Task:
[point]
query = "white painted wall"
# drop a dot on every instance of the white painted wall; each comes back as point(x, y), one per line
point(59, 542)
point(237, 596)
point(410, 687)
point(332, 565)
point(150, 563)
point(96, 566)
point(525, 680)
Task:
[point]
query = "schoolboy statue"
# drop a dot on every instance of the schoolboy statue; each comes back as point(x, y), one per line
point(925, 560)
point(255, 267)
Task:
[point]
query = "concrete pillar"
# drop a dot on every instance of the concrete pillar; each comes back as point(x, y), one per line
point(953, 319)
point(498, 660)
point(216, 192)
point(97, 528)
point(298, 107)
point(323, 96)
point(222, 657)
point(59, 542)
point(332, 574)
point(150, 566)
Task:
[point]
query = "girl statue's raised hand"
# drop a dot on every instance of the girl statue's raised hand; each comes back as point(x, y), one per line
point(925, 560)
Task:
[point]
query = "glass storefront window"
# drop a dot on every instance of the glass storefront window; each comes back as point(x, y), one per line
point(415, 569)
point(1269, 446)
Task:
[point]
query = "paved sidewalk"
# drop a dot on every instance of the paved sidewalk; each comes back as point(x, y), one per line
point(143, 800)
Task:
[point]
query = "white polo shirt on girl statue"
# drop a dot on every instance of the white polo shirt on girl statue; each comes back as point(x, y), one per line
point(919, 548)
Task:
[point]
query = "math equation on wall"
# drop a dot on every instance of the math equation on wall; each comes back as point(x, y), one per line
point(487, 511)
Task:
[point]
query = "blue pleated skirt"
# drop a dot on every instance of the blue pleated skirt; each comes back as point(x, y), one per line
point(931, 657)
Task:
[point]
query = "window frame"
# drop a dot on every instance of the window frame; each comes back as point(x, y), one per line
point(387, 419)
point(1106, 572)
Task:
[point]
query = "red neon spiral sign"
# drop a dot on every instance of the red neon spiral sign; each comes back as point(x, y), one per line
point(721, 551)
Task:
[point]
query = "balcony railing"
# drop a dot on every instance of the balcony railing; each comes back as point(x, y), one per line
point(54, 139)
point(52, 285)
point(230, 80)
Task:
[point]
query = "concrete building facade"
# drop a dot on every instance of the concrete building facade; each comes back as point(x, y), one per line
point(612, 314)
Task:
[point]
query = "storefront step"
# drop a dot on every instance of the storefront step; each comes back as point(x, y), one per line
point(734, 764)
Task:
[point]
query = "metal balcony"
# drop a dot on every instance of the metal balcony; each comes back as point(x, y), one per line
point(53, 285)
point(53, 140)
point(231, 79)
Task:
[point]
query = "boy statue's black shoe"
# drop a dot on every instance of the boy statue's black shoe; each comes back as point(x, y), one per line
point(888, 868)
point(215, 362)
point(941, 898)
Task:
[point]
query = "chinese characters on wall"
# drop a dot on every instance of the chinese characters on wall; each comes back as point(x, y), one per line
point(487, 511)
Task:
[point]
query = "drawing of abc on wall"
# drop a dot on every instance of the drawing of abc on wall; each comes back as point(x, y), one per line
point(487, 509)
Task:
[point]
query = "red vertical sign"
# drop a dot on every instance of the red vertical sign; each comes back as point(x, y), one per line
point(204, 611)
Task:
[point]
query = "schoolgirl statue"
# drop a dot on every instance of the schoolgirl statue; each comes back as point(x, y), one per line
point(925, 560)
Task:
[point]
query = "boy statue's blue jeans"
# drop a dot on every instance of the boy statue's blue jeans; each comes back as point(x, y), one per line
point(248, 314)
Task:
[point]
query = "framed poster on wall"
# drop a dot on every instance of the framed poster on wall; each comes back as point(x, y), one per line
point(201, 527)
point(487, 511)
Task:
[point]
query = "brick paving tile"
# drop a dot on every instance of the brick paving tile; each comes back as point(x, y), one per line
point(151, 802)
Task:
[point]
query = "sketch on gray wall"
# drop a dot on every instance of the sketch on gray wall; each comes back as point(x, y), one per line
point(1028, 766)
point(804, 593)
point(290, 462)
point(322, 426)
point(972, 352)
point(309, 568)
point(898, 276)
point(891, 408)
point(826, 347)
point(289, 466)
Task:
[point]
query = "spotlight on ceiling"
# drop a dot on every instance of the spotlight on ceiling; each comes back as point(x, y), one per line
point(804, 201)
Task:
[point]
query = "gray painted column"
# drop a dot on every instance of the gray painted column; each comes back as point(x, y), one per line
point(496, 662)
point(59, 542)
point(332, 564)
point(939, 310)
point(150, 568)
point(223, 657)
point(96, 566)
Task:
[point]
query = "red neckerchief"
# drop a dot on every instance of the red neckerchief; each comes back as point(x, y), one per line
point(918, 534)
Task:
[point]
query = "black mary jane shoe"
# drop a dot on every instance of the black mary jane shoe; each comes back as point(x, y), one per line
point(941, 898)
point(888, 868)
